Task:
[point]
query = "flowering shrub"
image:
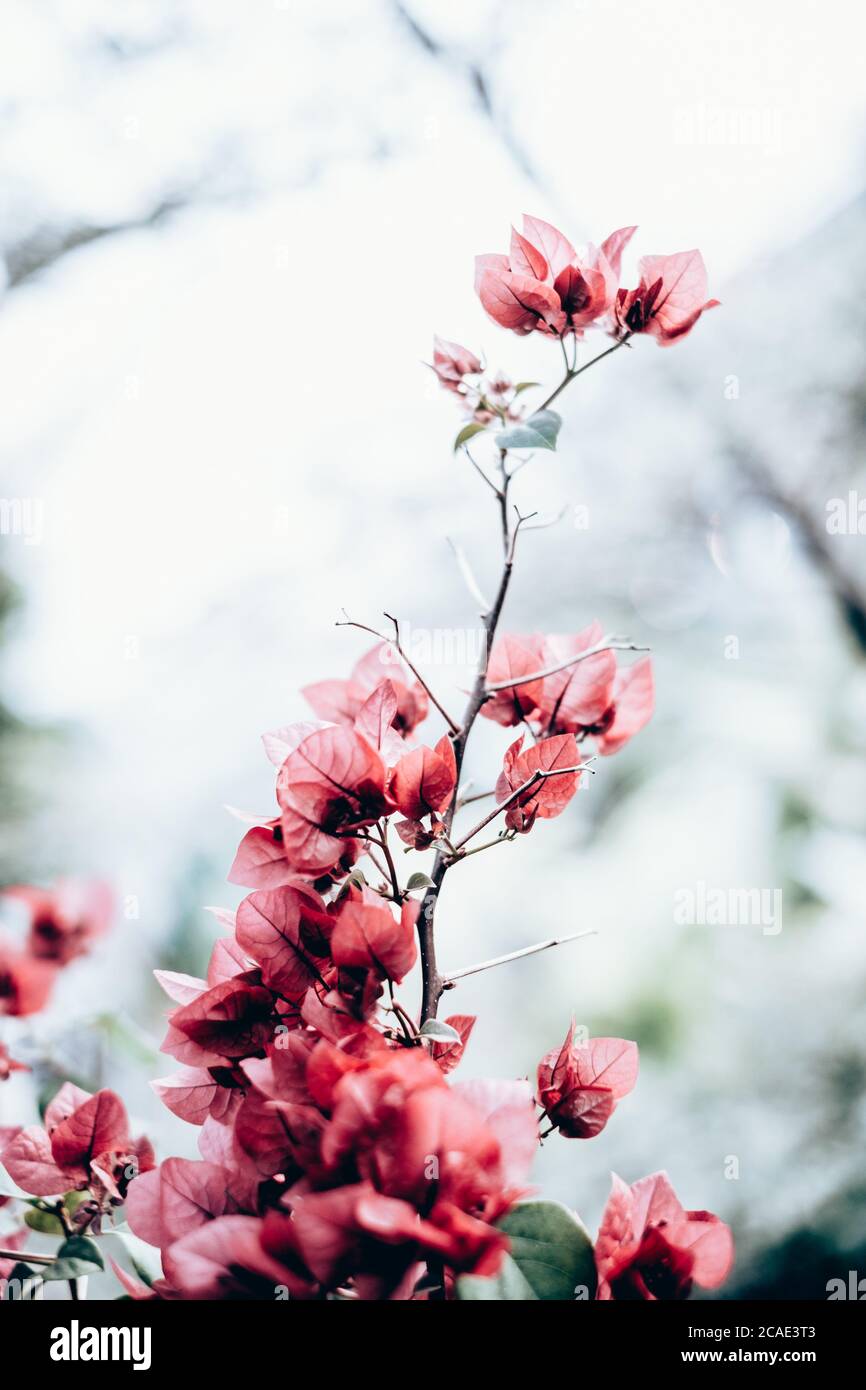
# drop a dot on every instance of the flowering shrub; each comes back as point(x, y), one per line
point(340, 1156)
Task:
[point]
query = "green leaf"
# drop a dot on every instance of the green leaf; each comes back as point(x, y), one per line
point(552, 1250)
point(525, 386)
point(468, 432)
point(43, 1221)
point(538, 432)
point(508, 1285)
point(145, 1260)
point(76, 1257)
point(420, 881)
point(440, 1032)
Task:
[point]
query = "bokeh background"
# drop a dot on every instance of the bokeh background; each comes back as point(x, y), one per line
point(229, 233)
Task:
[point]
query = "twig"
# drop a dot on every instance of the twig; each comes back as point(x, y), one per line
point(468, 576)
point(572, 373)
point(540, 775)
point(607, 644)
point(516, 955)
point(480, 471)
point(25, 1258)
point(545, 525)
point(504, 838)
point(395, 643)
point(476, 796)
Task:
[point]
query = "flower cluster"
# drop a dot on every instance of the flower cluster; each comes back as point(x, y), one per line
point(84, 1145)
point(339, 1156)
point(485, 396)
point(545, 286)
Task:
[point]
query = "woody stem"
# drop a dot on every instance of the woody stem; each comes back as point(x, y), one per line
point(573, 372)
point(433, 983)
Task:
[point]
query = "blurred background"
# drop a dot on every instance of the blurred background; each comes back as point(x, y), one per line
point(229, 234)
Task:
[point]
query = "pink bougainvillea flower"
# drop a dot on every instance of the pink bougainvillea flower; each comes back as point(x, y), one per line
point(85, 1143)
point(233, 1019)
point(452, 363)
point(396, 1114)
point(261, 861)
point(580, 1084)
point(168, 1202)
point(340, 701)
point(379, 1242)
point(669, 299)
point(8, 1064)
point(25, 982)
point(579, 695)
point(279, 743)
point(225, 1259)
point(548, 796)
point(367, 936)
point(286, 932)
point(446, 1055)
point(514, 656)
point(330, 787)
point(65, 919)
point(545, 285)
point(424, 780)
point(633, 701)
point(376, 722)
point(649, 1247)
point(194, 1093)
point(277, 1125)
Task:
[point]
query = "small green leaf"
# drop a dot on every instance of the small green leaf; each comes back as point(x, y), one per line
point(357, 877)
point(508, 1285)
point(468, 432)
point(525, 386)
point(43, 1221)
point(440, 1032)
point(76, 1257)
point(538, 432)
point(145, 1260)
point(420, 881)
point(552, 1250)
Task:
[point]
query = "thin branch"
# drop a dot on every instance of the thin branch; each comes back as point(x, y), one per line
point(469, 70)
point(572, 374)
point(480, 471)
point(516, 955)
point(372, 857)
point(504, 838)
point(395, 643)
point(476, 796)
point(545, 525)
point(521, 521)
point(468, 575)
point(24, 1257)
point(540, 775)
point(607, 644)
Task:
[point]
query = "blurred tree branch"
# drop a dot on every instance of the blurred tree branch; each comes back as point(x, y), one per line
point(47, 245)
point(467, 69)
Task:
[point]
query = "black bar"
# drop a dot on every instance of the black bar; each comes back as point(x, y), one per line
point(647, 1338)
